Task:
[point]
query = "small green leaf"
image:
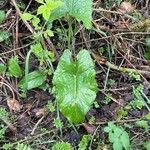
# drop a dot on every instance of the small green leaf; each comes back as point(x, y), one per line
point(2, 68)
point(142, 124)
point(14, 68)
point(2, 16)
point(75, 85)
point(118, 137)
point(58, 123)
point(35, 21)
point(117, 145)
point(22, 146)
point(4, 35)
point(47, 8)
point(124, 138)
point(48, 33)
point(84, 142)
point(27, 16)
point(80, 9)
point(147, 145)
point(35, 79)
point(62, 146)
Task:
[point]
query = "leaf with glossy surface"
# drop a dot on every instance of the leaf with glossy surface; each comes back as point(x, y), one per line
point(14, 68)
point(35, 79)
point(80, 9)
point(75, 85)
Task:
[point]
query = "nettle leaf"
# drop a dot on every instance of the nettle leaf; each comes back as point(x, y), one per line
point(46, 8)
point(27, 16)
point(14, 68)
point(35, 79)
point(4, 35)
point(80, 9)
point(75, 85)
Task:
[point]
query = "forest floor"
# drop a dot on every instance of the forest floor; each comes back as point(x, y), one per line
point(119, 44)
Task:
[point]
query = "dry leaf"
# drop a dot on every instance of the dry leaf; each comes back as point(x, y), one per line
point(14, 105)
point(126, 7)
point(41, 112)
point(89, 128)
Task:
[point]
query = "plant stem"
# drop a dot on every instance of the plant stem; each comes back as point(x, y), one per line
point(27, 69)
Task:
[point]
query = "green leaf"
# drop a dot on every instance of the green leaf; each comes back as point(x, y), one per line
point(117, 145)
point(35, 21)
point(80, 9)
point(124, 138)
point(14, 68)
point(48, 33)
point(75, 85)
point(21, 146)
point(147, 145)
point(2, 68)
point(2, 16)
point(62, 146)
point(84, 142)
point(58, 123)
point(142, 124)
point(27, 16)
point(4, 35)
point(47, 8)
point(118, 137)
point(35, 79)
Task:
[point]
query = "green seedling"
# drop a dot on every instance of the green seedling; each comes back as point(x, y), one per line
point(118, 137)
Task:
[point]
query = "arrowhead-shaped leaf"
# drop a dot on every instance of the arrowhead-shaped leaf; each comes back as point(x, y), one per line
point(80, 9)
point(35, 79)
point(14, 68)
point(75, 85)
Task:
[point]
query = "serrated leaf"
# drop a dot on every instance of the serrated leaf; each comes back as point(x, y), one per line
point(75, 85)
point(27, 16)
point(48, 33)
point(4, 35)
point(124, 138)
point(2, 68)
point(2, 16)
point(14, 68)
point(35, 21)
point(80, 9)
point(35, 79)
point(47, 8)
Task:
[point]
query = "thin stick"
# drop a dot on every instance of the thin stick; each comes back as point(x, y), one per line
point(119, 121)
point(36, 125)
point(19, 12)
